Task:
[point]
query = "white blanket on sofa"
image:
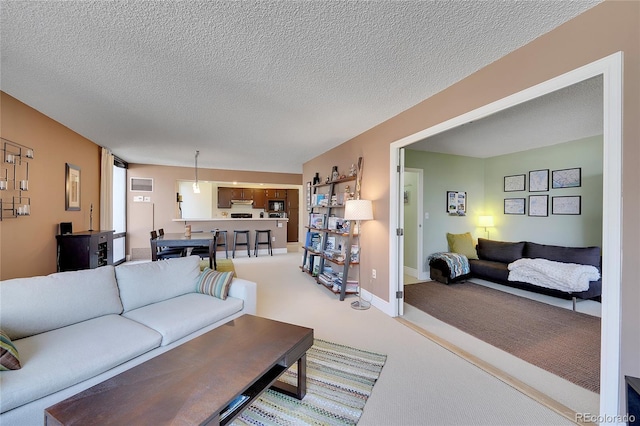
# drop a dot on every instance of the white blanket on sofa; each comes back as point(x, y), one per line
point(569, 277)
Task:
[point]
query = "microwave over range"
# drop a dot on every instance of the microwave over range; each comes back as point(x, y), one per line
point(275, 205)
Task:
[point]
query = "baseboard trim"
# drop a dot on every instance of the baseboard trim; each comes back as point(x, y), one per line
point(503, 376)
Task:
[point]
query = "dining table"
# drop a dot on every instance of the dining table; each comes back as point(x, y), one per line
point(180, 240)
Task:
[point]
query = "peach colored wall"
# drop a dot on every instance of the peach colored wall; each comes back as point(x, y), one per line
point(159, 213)
point(603, 30)
point(28, 244)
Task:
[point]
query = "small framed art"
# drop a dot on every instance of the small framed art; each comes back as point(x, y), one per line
point(566, 178)
point(72, 187)
point(456, 203)
point(539, 180)
point(514, 206)
point(514, 183)
point(538, 205)
point(566, 205)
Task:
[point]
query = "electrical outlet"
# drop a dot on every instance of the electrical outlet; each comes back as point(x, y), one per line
point(273, 238)
point(373, 274)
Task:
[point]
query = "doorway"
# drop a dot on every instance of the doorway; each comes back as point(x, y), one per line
point(413, 231)
point(611, 70)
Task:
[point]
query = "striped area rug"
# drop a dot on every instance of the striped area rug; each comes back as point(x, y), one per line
point(339, 381)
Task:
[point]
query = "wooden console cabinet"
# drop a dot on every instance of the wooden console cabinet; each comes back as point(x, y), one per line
point(84, 250)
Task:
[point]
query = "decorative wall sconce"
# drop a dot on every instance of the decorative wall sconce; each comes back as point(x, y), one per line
point(14, 179)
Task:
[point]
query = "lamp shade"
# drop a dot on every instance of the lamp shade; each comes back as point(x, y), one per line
point(358, 210)
point(485, 221)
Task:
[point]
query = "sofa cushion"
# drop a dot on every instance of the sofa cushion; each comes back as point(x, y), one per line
point(182, 315)
point(500, 251)
point(34, 305)
point(490, 270)
point(462, 244)
point(579, 255)
point(214, 283)
point(145, 283)
point(9, 358)
point(61, 358)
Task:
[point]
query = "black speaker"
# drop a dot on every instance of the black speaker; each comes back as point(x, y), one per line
point(65, 228)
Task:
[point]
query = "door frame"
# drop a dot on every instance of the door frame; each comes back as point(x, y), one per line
point(611, 68)
point(421, 275)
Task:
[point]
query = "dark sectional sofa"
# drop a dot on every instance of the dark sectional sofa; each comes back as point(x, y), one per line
point(495, 256)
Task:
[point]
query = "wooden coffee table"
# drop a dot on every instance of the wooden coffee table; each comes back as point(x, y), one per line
point(193, 383)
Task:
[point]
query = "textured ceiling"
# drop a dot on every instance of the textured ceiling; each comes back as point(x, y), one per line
point(569, 114)
point(253, 85)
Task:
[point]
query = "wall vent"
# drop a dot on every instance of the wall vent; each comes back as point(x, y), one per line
point(141, 184)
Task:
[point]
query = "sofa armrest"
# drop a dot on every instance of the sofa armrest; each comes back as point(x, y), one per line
point(247, 291)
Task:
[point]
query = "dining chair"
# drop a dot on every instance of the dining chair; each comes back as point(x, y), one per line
point(163, 252)
point(203, 252)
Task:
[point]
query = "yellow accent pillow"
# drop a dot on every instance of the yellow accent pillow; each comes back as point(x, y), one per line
point(462, 244)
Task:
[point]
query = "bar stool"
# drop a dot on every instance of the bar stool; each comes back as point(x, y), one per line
point(258, 242)
point(236, 233)
point(223, 243)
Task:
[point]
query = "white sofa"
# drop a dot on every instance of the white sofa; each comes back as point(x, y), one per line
point(73, 330)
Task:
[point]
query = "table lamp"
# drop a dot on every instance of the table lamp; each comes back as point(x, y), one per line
point(486, 222)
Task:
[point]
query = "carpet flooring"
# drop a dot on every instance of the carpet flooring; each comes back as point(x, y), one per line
point(339, 381)
point(563, 342)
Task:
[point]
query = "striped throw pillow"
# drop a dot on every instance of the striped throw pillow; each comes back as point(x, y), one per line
point(214, 283)
point(8, 354)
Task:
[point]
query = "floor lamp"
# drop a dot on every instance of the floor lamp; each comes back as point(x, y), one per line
point(356, 210)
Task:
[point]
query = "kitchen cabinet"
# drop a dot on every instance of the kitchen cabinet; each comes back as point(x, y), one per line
point(276, 194)
point(293, 214)
point(259, 199)
point(224, 198)
point(244, 194)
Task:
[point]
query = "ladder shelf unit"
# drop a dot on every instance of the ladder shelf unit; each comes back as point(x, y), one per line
point(330, 239)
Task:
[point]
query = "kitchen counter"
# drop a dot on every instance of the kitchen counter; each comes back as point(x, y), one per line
point(277, 225)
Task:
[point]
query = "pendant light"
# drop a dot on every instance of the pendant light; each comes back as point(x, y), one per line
point(196, 187)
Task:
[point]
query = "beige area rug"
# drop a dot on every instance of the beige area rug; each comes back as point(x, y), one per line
point(563, 342)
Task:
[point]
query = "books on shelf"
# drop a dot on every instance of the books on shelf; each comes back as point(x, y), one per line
point(314, 241)
point(331, 244)
point(320, 200)
point(355, 253)
point(316, 220)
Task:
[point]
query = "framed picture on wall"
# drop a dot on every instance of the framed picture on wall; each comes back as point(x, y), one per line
point(457, 203)
point(539, 180)
point(566, 205)
point(72, 187)
point(514, 183)
point(566, 178)
point(514, 206)
point(538, 205)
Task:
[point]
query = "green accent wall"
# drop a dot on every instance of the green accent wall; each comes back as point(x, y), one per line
point(568, 230)
point(483, 180)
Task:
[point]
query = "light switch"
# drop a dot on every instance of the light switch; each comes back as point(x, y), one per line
point(426, 215)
